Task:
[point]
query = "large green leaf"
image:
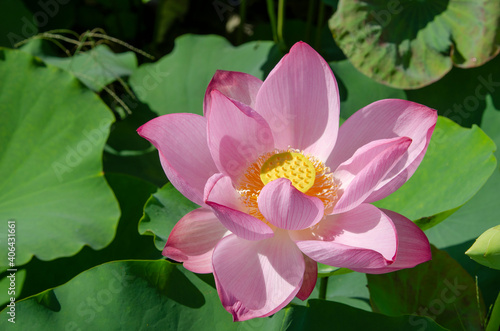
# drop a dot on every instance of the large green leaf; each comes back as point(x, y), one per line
point(409, 44)
point(440, 289)
point(162, 211)
point(131, 193)
point(481, 212)
point(138, 295)
point(51, 138)
point(327, 315)
point(349, 288)
point(9, 290)
point(95, 68)
point(177, 82)
point(458, 233)
point(457, 164)
point(128, 295)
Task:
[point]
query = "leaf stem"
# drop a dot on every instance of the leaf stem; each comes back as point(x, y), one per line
point(323, 285)
point(321, 21)
point(243, 17)
point(310, 15)
point(281, 21)
point(272, 19)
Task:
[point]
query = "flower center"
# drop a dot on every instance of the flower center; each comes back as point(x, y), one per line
point(293, 166)
point(307, 174)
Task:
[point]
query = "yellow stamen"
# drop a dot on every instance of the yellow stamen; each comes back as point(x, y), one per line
point(311, 171)
point(293, 166)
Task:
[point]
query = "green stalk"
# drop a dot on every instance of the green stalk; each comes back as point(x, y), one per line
point(243, 18)
point(272, 19)
point(310, 14)
point(323, 285)
point(321, 22)
point(281, 20)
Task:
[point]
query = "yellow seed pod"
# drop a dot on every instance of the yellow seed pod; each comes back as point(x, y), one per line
point(294, 166)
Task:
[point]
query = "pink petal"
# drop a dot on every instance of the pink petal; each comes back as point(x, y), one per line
point(363, 237)
point(369, 165)
point(256, 279)
point(181, 140)
point(413, 246)
point(237, 135)
point(387, 119)
point(235, 85)
point(300, 101)
point(286, 207)
point(310, 278)
point(219, 189)
point(221, 196)
point(193, 239)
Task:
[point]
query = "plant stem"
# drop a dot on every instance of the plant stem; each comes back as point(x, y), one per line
point(243, 17)
point(323, 285)
point(310, 14)
point(281, 20)
point(321, 21)
point(272, 19)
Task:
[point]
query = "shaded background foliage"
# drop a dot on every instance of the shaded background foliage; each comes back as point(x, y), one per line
point(88, 253)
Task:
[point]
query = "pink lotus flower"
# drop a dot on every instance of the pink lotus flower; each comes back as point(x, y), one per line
point(282, 187)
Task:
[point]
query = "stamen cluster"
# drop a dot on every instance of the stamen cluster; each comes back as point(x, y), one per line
point(324, 186)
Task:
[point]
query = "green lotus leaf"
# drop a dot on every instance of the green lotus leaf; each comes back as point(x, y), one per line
point(349, 288)
point(327, 315)
point(442, 183)
point(177, 82)
point(95, 68)
point(463, 225)
point(410, 44)
point(440, 289)
point(131, 193)
point(9, 290)
point(127, 295)
point(52, 134)
point(162, 211)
